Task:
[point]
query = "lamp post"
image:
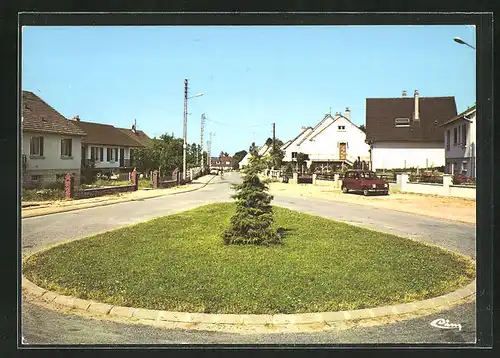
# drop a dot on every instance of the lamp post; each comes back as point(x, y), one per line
point(462, 42)
point(185, 126)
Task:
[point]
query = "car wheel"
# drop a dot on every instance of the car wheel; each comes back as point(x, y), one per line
point(366, 192)
point(345, 190)
point(386, 192)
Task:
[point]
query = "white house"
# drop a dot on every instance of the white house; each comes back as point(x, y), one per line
point(244, 161)
point(292, 148)
point(406, 132)
point(107, 147)
point(460, 143)
point(50, 143)
point(335, 141)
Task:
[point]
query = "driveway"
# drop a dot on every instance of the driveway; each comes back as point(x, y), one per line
point(44, 326)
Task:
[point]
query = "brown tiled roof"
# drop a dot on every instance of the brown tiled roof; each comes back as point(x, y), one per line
point(433, 111)
point(138, 136)
point(105, 134)
point(38, 116)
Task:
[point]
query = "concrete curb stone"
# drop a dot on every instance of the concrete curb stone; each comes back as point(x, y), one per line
point(247, 322)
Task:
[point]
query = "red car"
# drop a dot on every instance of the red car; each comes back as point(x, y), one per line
point(365, 181)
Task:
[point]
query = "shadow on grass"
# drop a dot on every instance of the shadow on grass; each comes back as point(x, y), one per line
point(284, 232)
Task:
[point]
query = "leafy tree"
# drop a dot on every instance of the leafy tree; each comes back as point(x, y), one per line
point(253, 221)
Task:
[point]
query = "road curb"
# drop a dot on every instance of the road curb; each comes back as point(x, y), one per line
point(277, 323)
point(104, 203)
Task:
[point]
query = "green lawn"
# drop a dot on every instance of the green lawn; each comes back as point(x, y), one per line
point(179, 263)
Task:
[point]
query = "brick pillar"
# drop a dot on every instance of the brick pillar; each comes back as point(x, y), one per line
point(314, 179)
point(69, 183)
point(155, 179)
point(135, 179)
point(295, 179)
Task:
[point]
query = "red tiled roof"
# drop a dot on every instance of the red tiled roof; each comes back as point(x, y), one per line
point(38, 116)
point(433, 111)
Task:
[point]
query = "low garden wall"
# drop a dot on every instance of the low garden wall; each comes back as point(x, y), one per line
point(72, 193)
point(109, 190)
point(445, 189)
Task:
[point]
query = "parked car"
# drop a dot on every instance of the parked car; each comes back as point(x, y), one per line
point(214, 171)
point(365, 181)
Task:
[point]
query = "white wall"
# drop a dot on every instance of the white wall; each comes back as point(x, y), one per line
point(106, 163)
point(325, 145)
point(388, 155)
point(293, 146)
point(456, 154)
point(51, 159)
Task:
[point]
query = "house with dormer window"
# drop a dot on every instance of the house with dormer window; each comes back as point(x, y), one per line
point(407, 132)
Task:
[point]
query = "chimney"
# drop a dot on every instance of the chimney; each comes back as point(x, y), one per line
point(303, 128)
point(134, 126)
point(416, 115)
point(404, 94)
point(347, 113)
point(76, 118)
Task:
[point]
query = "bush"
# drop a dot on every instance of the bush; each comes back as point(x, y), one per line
point(252, 223)
point(463, 179)
point(54, 185)
point(43, 194)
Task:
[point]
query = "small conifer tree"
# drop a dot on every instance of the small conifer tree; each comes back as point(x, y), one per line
point(253, 221)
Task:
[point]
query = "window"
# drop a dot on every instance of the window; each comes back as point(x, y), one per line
point(112, 154)
point(341, 128)
point(96, 154)
point(464, 135)
point(402, 122)
point(455, 136)
point(294, 155)
point(448, 139)
point(36, 177)
point(36, 146)
point(66, 147)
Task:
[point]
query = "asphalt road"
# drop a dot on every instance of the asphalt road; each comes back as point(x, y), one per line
point(44, 326)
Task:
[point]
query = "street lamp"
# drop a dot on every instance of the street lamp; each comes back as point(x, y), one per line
point(462, 42)
point(185, 126)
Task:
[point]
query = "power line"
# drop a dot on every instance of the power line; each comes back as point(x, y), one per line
point(236, 124)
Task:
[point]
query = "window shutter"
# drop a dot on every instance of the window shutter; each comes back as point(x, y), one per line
point(108, 154)
point(101, 153)
point(70, 147)
point(31, 146)
point(41, 146)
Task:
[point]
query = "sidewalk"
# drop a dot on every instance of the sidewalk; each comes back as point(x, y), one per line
point(33, 209)
point(447, 208)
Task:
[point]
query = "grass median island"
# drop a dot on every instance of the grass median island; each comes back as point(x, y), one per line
point(179, 263)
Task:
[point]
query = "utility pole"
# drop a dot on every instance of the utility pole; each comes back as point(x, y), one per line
point(201, 139)
point(274, 143)
point(185, 130)
point(209, 149)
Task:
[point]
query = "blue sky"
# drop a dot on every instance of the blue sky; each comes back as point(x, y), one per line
point(251, 76)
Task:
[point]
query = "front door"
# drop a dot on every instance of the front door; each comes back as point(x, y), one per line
point(342, 151)
point(122, 159)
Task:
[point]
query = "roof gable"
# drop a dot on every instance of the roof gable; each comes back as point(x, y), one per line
point(463, 115)
point(38, 116)
point(138, 136)
point(433, 111)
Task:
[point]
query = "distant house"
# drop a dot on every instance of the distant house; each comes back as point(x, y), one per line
point(244, 161)
point(222, 162)
point(406, 132)
point(333, 142)
point(107, 147)
point(50, 143)
point(460, 143)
